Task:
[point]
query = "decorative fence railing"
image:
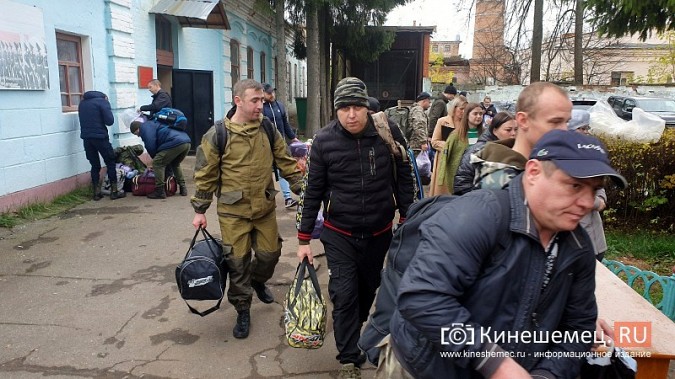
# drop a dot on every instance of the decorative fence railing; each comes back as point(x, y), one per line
point(647, 283)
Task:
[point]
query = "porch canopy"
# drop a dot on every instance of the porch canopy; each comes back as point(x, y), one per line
point(207, 14)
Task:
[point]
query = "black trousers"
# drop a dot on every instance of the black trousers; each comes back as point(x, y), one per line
point(354, 266)
point(92, 148)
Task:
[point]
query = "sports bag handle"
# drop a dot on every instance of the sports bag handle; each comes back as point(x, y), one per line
point(301, 277)
point(214, 308)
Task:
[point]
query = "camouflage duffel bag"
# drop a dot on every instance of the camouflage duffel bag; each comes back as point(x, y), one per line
point(305, 310)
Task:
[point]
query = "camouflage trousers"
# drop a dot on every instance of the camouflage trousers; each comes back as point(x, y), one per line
point(261, 235)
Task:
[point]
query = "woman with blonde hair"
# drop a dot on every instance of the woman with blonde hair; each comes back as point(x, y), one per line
point(442, 130)
point(465, 135)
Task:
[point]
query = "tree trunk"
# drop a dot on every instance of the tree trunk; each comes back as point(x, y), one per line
point(537, 36)
point(323, 66)
point(313, 72)
point(578, 43)
point(280, 25)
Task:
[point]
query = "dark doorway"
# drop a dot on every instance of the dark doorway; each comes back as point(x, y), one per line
point(393, 76)
point(192, 93)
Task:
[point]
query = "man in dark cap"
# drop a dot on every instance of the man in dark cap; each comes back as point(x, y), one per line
point(276, 112)
point(439, 108)
point(351, 171)
point(483, 281)
point(418, 124)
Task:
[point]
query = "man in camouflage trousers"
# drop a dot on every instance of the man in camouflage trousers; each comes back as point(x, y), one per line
point(246, 203)
point(419, 123)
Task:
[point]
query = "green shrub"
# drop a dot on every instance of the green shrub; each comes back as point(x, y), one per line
point(649, 168)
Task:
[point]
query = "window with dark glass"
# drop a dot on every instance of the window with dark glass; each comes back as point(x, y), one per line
point(163, 34)
point(69, 52)
point(249, 63)
point(262, 67)
point(234, 59)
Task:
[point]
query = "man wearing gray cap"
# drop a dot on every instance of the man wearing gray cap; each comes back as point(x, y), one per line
point(498, 274)
point(361, 185)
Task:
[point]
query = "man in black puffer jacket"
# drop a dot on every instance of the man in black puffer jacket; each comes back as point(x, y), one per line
point(95, 117)
point(351, 172)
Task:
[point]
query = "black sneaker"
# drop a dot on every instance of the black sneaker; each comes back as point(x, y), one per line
point(290, 203)
point(264, 293)
point(243, 325)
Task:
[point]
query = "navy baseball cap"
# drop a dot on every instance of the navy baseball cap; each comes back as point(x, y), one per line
point(579, 156)
point(423, 96)
point(268, 88)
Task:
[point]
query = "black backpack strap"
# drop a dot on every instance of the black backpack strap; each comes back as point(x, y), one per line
point(271, 132)
point(221, 140)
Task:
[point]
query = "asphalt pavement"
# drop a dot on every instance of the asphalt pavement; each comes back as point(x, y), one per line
point(91, 293)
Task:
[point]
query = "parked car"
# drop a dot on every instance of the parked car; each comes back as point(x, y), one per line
point(583, 104)
point(664, 108)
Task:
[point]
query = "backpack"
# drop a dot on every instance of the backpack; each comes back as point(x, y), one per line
point(400, 115)
point(171, 117)
point(397, 150)
point(401, 252)
point(203, 272)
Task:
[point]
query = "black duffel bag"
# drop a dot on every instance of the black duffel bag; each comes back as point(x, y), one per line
point(203, 272)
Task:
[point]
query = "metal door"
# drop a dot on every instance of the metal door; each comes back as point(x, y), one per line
point(192, 93)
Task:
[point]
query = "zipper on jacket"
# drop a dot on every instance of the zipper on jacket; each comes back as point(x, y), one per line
point(371, 159)
point(363, 185)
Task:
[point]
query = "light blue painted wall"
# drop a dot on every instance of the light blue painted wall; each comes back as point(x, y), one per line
point(38, 142)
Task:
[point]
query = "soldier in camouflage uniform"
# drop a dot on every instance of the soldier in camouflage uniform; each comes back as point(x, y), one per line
point(419, 123)
point(246, 203)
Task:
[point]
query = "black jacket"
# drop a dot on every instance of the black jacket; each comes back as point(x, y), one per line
point(466, 172)
point(353, 178)
point(455, 282)
point(94, 113)
point(159, 100)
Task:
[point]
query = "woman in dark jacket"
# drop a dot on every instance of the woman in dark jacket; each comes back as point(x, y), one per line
point(503, 126)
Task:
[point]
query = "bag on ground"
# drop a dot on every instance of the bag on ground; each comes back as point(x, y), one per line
point(305, 310)
point(106, 187)
point(203, 272)
point(144, 184)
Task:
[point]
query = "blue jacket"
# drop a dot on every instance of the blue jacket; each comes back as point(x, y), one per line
point(95, 113)
point(276, 112)
point(454, 282)
point(159, 137)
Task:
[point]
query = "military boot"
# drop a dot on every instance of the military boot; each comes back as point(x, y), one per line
point(183, 189)
point(114, 193)
point(158, 194)
point(241, 330)
point(96, 187)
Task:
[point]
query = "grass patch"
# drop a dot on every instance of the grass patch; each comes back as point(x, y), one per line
point(40, 211)
point(647, 250)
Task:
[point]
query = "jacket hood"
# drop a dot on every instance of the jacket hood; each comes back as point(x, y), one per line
point(499, 151)
point(93, 94)
point(487, 136)
point(246, 128)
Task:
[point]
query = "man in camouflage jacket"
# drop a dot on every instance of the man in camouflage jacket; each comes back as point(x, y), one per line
point(418, 124)
point(246, 205)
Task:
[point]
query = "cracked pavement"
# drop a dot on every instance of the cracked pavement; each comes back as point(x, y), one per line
point(91, 293)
